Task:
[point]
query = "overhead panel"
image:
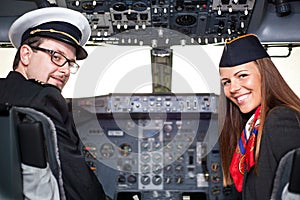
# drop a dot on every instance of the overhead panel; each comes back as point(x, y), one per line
point(139, 22)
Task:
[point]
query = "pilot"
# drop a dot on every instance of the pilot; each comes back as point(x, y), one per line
point(49, 41)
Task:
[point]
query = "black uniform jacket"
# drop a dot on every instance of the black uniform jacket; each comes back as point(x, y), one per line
point(79, 181)
point(281, 134)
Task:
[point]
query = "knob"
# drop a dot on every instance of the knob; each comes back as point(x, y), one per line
point(145, 157)
point(157, 180)
point(145, 180)
point(179, 180)
point(168, 194)
point(131, 179)
point(168, 128)
point(156, 144)
point(215, 166)
point(215, 178)
point(178, 168)
point(156, 169)
point(168, 168)
point(155, 194)
point(168, 180)
point(121, 179)
point(145, 169)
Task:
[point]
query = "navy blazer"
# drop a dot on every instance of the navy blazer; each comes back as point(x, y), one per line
point(281, 134)
point(79, 181)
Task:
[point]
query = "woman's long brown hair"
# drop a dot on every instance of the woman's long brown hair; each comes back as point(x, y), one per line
point(275, 92)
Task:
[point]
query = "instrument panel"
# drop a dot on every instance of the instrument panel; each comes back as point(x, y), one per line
point(153, 146)
point(163, 23)
point(139, 22)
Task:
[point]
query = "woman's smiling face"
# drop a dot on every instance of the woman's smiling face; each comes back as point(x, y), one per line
point(242, 85)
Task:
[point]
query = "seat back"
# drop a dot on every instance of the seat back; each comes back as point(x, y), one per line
point(294, 180)
point(10, 169)
point(287, 178)
point(30, 138)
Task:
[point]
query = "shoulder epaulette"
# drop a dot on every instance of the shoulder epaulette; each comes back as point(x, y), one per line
point(43, 83)
point(37, 81)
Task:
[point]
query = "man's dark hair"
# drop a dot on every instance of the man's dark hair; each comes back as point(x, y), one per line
point(35, 41)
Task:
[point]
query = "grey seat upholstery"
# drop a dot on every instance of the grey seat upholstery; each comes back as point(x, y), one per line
point(287, 180)
point(10, 169)
point(28, 138)
point(294, 184)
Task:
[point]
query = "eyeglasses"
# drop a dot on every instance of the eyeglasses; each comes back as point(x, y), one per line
point(59, 59)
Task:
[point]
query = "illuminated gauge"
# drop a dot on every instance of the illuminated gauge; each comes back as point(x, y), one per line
point(125, 149)
point(156, 169)
point(157, 157)
point(107, 150)
point(139, 6)
point(179, 180)
point(119, 7)
point(145, 180)
point(179, 168)
point(169, 147)
point(145, 169)
point(168, 180)
point(186, 20)
point(156, 145)
point(215, 166)
point(168, 169)
point(215, 178)
point(145, 157)
point(145, 145)
point(157, 180)
point(180, 147)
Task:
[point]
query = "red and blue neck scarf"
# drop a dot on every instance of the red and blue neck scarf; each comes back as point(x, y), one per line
point(244, 155)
